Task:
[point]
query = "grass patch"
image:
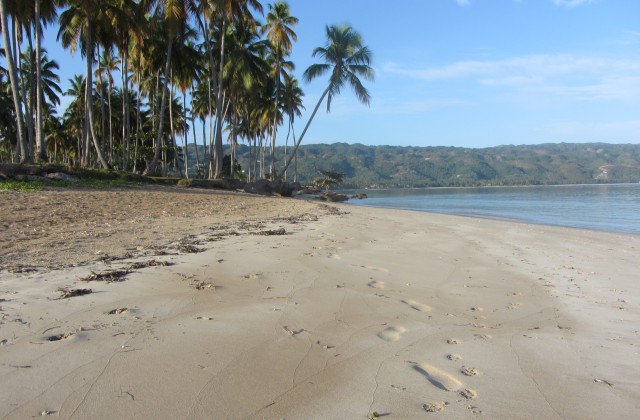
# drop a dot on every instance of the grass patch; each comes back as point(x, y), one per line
point(21, 186)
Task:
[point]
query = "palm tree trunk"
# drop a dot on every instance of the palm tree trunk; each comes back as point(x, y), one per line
point(176, 158)
point(89, 98)
point(218, 139)
point(15, 90)
point(286, 145)
point(103, 122)
point(163, 106)
point(272, 169)
point(111, 145)
point(29, 97)
point(41, 147)
point(138, 123)
point(126, 114)
point(295, 148)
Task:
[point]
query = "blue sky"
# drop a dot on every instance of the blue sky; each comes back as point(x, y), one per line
point(475, 73)
point(480, 73)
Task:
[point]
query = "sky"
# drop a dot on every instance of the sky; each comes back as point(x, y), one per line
point(473, 73)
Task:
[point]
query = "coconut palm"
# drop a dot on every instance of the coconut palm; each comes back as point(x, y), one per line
point(44, 12)
point(83, 24)
point(227, 12)
point(127, 20)
point(246, 71)
point(24, 155)
point(107, 64)
point(292, 105)
point(73, 115)
point(173, 15)
point(39, 96)
point(279, 31)
point(347, 59)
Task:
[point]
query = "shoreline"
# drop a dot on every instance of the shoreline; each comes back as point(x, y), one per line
point(613, 213)
point(338, 315)
point(501, 219)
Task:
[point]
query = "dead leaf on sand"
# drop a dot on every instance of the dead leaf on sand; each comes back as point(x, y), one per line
point(117, 311)
point(113, 276)
point(59, 337)
point(272, 232)
point(69, 293)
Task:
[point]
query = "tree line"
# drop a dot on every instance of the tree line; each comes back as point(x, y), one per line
point(440, 166)
point(155, 70)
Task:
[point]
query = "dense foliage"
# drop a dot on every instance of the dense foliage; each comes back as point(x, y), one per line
point(156, 71)
point(395, 166)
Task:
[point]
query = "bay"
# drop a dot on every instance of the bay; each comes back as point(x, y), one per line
point(606, 207)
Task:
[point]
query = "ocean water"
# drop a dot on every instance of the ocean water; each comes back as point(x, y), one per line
point(613, 208)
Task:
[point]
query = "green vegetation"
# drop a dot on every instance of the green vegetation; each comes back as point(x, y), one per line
point(154, 73)
point(395, 166)
point(328, 180)
point(31, 178)
point(21, 186)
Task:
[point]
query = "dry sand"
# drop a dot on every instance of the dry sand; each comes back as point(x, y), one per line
point(402, 314)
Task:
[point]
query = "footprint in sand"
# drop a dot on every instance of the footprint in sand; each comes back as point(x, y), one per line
point(370, 267)
point(392, 333)
point(454, 357)
point(434, 407)
point(469, 394)
point(416, 305)
point(485, 337)
point(454, 341)
point(514, 305)
point(376, 284)
point(438, 377)
point(469, 371)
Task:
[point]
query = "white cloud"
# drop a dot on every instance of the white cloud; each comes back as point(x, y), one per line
point(579, 77)
point(571, 3)
point(390, 107)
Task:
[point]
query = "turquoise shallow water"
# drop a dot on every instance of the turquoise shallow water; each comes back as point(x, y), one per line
point(613, 208)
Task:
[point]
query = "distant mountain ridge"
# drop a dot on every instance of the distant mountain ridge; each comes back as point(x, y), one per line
point(409, 166)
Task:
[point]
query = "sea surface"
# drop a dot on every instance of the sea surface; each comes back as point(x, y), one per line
point(612, 207)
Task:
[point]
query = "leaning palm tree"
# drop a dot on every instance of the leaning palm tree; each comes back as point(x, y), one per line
point(347, 59)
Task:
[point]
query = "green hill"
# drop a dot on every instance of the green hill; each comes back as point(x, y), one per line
point(397, 166)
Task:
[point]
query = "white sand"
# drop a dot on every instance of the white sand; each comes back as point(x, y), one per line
point(373, 311)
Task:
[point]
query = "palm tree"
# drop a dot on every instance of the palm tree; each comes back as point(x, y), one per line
point(47, 14)
point(39, 95)
point(292, 105)
point(82, 24)
point(106, 66)
point(174, 15)
point(73, 115)
point(15, 89)
point(347, 59)
point(279, 31)
point(227, 12)
point(246, 71)
point(128, 21)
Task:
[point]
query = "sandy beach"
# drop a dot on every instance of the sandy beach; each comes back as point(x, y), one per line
point(192, 304)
